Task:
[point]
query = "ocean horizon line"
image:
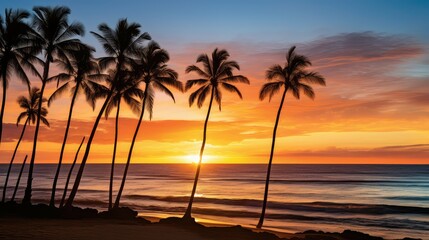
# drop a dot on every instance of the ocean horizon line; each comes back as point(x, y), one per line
point(182, 163)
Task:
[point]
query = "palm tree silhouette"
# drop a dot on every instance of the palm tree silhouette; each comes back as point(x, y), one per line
point(154, 72)
point(294, 78)
point(30, 106)
point(127, 90)
point(14, 51)
point(54, 33)
point(81, 71)
point(121, 44)
point(217, 74)
point(19, 179)
point(70, 173)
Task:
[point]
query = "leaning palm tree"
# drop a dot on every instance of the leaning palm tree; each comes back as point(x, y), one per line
point(151, 69)
point(121, 44)
point(14, 56)
point(66, 186)
point(81, 71)
point(19, 179)
point(55, 34)
point(30, 106)
point(294, 78)
point(127, 90)
point(216, 74)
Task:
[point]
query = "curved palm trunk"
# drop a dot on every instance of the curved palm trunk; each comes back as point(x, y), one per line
point(19, 179)
point(3, 104)
point(28, 189)
point(112, 170)
point(70, 173)
point(54, 185)
point(188, 212)
point(85, 156)
point(130, 152)
point(13, 158)
point(267, 181)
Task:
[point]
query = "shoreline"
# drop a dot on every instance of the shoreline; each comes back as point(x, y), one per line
point(44, 222)
point(133, 229)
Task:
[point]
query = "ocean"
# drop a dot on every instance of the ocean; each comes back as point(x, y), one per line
point(391, 201)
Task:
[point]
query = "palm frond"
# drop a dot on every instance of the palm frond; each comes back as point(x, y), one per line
point(196, 69)
point(235, 79)
point(314, 78)
point(61, 77)
point(207, 63)
point(134, 104)
point(203, 95)
point(307, 90)
point(20, 117)
point(196, 94)
point(274, 72)
point(231, 88)
point(270, 89)
point(172, 82)
point(44, 121)
point(197, 82)
point(162, 88)
point(58, 92)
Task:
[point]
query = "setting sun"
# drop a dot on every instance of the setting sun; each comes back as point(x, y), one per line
point(194, 158)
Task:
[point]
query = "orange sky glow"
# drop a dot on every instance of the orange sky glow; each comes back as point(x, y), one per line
point(374, 109)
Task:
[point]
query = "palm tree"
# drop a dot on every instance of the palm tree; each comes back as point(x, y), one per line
point(121, 44)
point(83, 73)
point(125, 90)
point(30, 106)
point(154, 72)
point(66, 186)
point(19, 179)
point(216, 74)
point(14, 56)
point(55, 35)
point(293, 77)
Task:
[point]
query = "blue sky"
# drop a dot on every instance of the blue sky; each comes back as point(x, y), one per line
point(183, 22)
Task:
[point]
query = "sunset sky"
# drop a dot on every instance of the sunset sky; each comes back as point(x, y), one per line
point(373, 54)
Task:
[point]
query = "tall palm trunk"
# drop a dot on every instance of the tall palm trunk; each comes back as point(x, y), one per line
point(3, 104)
point(87, 150)
point(28, 190)
point(19, 179)
point(13, 157)
point(267, 181)
point(112, 171)
point(130, 153)
point(54, 185)
point(197, 174)
point(70, 173)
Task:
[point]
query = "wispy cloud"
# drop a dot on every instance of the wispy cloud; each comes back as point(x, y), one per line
point(366, 91)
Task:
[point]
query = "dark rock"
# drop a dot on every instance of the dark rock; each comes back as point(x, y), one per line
point(354, 235)
point(320, 237)
point(41, 211)
point(237, 232)
point(119, 213)
point(8, 208)
point(77, 213)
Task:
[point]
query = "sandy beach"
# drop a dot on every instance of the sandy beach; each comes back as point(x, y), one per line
point(88, 229)
point(19, 228)
point(106, 229)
